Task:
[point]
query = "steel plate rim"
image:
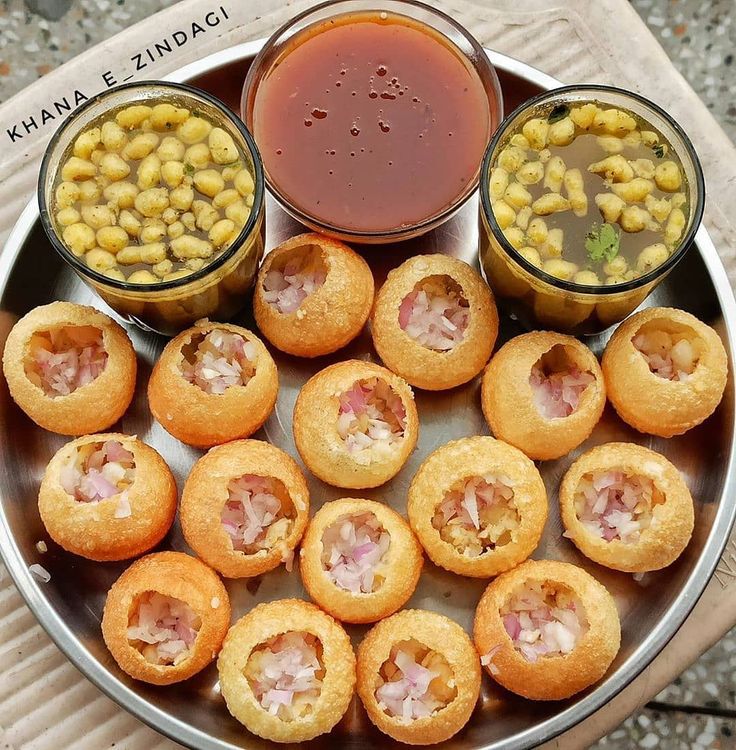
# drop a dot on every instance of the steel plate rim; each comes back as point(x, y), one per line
point(641, 657)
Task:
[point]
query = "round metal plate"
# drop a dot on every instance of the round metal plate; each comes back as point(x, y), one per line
point(69, 607)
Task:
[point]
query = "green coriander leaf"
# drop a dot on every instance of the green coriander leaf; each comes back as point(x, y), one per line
point(602, 243)
point(189, 169)
point(558, 113)
point(658, 149)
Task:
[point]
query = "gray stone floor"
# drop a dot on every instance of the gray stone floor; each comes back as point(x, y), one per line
point(696, 711)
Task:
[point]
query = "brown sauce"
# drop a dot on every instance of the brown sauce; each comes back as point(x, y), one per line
point(371, 122)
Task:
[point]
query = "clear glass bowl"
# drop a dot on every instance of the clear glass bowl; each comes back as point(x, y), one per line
point(218, 290)
point(537, 298)
point(280, 43)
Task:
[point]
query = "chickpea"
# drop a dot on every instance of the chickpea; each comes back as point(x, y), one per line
point(131, 117)
point(113, 167)
point(209, 182)
point(225, 197)
point(188, 220)
point(170, 215)
point(515, 236)
point(552, 248)
point(544, 155)
point(634, 191)
point(198, 156)
point(584, 115)
point(550, 203)
point(170, 149)
point(96, 156)
point(229, 172)
point(667, 176)
point(195, 264)
point(86, 143)
point(632, 139)
point(89, 191)
point(517, 196)
point(68, 216)
point(163, 268)
point(243, 182)
point(678, 200)
point(643, 168)
point(610, 206)
point(191, 247)
point(522, 218)
point(505, 215)
point(651, 257)
point(67, 194)
point(114, 273)
point(611, 144)
point(675, 226)
point(554, 173)
point(222, 146)
point(537, 231)
point(510, 159)
point(165, 116)
point(113, 239)
point(151, 254)
point(79, 238)
point(589, 278)
point(562, 132)
point(614, 122)
point(611, 280)
point(205, 215)
point(530, 173)
point(154, 230)
point(140, 146)
point(497, 186)
point(175, 275)
point(176, 229)
point(614, 168)
point(129, 223)
point(659, 208)
point(98, 216)
point(532, 255)
point(561, 269)
point(152, 202)
point(149, 172)
point(142, 277)
point(221, 232)
point(250, 200)
point(535, 131)
point(76, 170)
point(100, 260)
point(173, 173)
point(193, 130)
point(239, 212)
point(634, 219)
point(617, 266)
point(181, 198)
point(113, 136)
point(575, 187)
point(120, 194)
point(649, 138)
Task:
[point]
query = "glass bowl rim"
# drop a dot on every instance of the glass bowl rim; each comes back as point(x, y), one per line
point(84, 270)
point(250, 87)
point(571, 286)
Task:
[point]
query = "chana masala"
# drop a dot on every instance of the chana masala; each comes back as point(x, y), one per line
point(353, 550)
point(435, 313)
point(285, 674)
point(292, 278)
point(557, 383)
point(218, 360)
point(62, 359)
point(416, 682)
point(477, 514)
point(163, 628)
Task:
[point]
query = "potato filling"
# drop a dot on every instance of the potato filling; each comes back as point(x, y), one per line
point(614, 505)
point(435, 313)
point(97, 471)
point(258, 513)
point(416, 682)
point(163, 629)
point(285, 674)
point(477, 515)
point(671, 355)
point(371, 419)
point(557, 383)
point(543, 619)
point(299, 274)
point(63, 359)
point(219, 360)
point(353, 551)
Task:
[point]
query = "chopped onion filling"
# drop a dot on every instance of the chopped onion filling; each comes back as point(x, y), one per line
point(258, 513)
point(286, 673)
point(371, 419)
point(219, 360)
point(435, 314)
point(543, 620)
point(557, 383)
point(670, 356)
point(286, 288)
point(163, 629)
point(416, 682)
point(353, 549)
point(63, 359)
point(478, 514)
point(614, 505)
point(97, 471)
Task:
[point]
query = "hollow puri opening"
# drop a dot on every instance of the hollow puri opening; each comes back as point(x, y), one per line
point(544, 619)
point(162, 628)
point(257, 514)
point(218, 360)
point(293, 276)
point(672, 350)
point(558, 379)
point(97, 471)
point(63, 358)
point(354, 548)
point(478, 514)
point(435, 313)
point(285, 674)
point(415, 681)
point(616, 505)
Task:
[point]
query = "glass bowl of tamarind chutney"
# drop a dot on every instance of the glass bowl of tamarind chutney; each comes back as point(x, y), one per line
point(372, 118)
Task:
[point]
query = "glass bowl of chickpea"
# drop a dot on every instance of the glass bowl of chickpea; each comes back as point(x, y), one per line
point(589, 196)
point(153, 192)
